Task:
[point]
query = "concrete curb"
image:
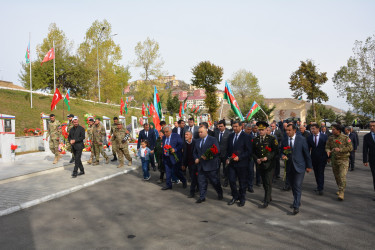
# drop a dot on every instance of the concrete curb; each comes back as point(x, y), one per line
point(61, 193)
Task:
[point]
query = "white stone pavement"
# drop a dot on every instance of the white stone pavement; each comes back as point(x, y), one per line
point(33, 179)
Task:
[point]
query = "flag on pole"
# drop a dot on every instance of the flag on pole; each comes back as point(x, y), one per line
point(122, 106)
point(67, 99)
point(56, 98)
point(197, 109)
point(27, 56)
point(254, 108)
point(126, 105)
point(155, 117)
point(193, 108)
point(180, 113)
point(148, 110)
point(157, 103)
point(143, 109)
point(184, 108)
point(49, 56)
point(228, 95)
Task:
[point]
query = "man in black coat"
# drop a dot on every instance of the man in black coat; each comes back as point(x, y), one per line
point(354, 142)
point(207, 168)
point(369, 151)
point(76, 137)
point(188, 161)
point(180, 129)
point(325, 131)
point(192, 128)
point(317, 147)
point(279, 136)
point(209, 131)
point(148, 134)
point(222, 136)
point(238, 153)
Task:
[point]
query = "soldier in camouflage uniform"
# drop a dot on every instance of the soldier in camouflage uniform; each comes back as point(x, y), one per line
point(338, 147)
point(114, 143)
point(121, 136)
point(98, 137)
point(89, 136)
point(68, 128)
point(54, 132)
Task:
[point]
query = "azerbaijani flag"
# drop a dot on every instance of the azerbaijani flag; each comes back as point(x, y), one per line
point(228, 95)
point(254, 108)
point(148, 110)
point(122, 106)
point(180, 112)
point(197, 109)
point(157, 103)
point(155, 117)
point(27, 56)
point(126, 106)
point(185, 107)
point(67, 99)
point(143, 109)
point(193, 108)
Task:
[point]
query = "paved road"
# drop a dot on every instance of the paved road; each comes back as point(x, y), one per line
point(127, 213)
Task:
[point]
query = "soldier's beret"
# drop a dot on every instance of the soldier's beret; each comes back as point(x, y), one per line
point(262, 125)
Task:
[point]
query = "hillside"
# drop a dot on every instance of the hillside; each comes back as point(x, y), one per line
point(17, 103)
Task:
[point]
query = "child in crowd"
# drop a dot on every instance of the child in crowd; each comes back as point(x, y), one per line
point(144, 153)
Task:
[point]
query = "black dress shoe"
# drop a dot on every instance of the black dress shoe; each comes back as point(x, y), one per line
point(81, 173)
point(295, 211)
point(250, 189)
point(191, 196)
point(165, 188)
point(265, 204)
point(258, 185)
point(242, 203)
point(71, 160)
point(114, 159)
point(232, 201)
point(200, 200)
point(220, 197)
point(278, 177)
point(286, 188)
point(184, 185)
point(74, 175)
point(320, 192)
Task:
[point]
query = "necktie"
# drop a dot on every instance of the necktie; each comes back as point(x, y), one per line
point(146, 134)
point(235, 139)
point(291, 142)
point(316, 141)
point(190, 129)
point(167, 142)
point(221, 135)
point(273, 132)
point(373, 136)
point(202, 143)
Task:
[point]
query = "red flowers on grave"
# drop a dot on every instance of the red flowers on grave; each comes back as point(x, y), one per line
point(211, 152)
point(338, 142)
point(168, 149)
point(268, 149)
point(13, 148)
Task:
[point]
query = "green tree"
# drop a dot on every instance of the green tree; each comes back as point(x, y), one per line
point(99, 47)
point(348, 118)
point(173, 104)
point(307, 80)
point(246, 89)
point(207, 76)
point(70, 71)
point(356, 80)
point(322, 113)
point(148, 57)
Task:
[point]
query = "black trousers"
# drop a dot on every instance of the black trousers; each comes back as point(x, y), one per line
point(277, 164)
point(77, 160)
point(240, 173)
point(152, 160)
point(296, 180)
point(372, 166)
point(202, 181)
point(223, 162)
point(193, 172)
point(351, 159)
point(267, 175)
point(319, 167)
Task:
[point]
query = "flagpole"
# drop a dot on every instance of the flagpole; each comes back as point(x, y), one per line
point(54, 67)
point(31, 81)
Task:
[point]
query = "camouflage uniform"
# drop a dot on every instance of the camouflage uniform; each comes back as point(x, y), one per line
point(98, 136)
point(89, 135)
point(123, 147)
point(54, 132)
point(114, 142)
point(68, 145)
point(340, 160)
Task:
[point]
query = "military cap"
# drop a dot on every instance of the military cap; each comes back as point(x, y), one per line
point(91, 120)
point(262, 125)
point(115, 118)
point(71, 115)
point(51, 115)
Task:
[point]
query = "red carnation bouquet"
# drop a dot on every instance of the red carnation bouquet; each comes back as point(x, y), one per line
point(234, 155)
point(13, 148)
point(168, 149)
point(338, 142)
point(211, 152)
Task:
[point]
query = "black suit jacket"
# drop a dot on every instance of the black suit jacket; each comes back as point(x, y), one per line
point(224, 142)
point(242, 148)
point(182, 133)
point(185, 156)
point(206, 165)
point(353, 139)
point(318, 153)
point(195, 131)
point(368, 149)
point(151, 138)
point(300, 157)
point(77, 134)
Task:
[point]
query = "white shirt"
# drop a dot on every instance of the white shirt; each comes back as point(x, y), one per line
point(293, 140)
point(178, 130)
point(238, 136)
point(191, 129)
point(203, 141)
point(317, 139)
point(143, 150)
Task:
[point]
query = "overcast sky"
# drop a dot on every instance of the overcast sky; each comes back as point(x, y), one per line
point(269, 38)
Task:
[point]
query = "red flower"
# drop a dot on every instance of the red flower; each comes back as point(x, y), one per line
point(268, 148)
point(109, 136)
point(338, 142)
point(286, 148)
point(214, 149)
point(109, 143)
point(234, 156)
point(251, 140)
point(13, 147)
point(167, 147)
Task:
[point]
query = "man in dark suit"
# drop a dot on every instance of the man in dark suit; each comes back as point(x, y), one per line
point(222, 137)
point(170, 162)
point(76, 137)
point(148, 134)
point(324, 130)
point(180, 129)
point(317, 147)
point(354, 142)
point(369, 151)
point(305, 133)
point(265, 149)
point(207, 168)
point(299, 160)
point(210, 132)
point(279, 136)
point(189, 162)
point(238, 153)
point(192, 128)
